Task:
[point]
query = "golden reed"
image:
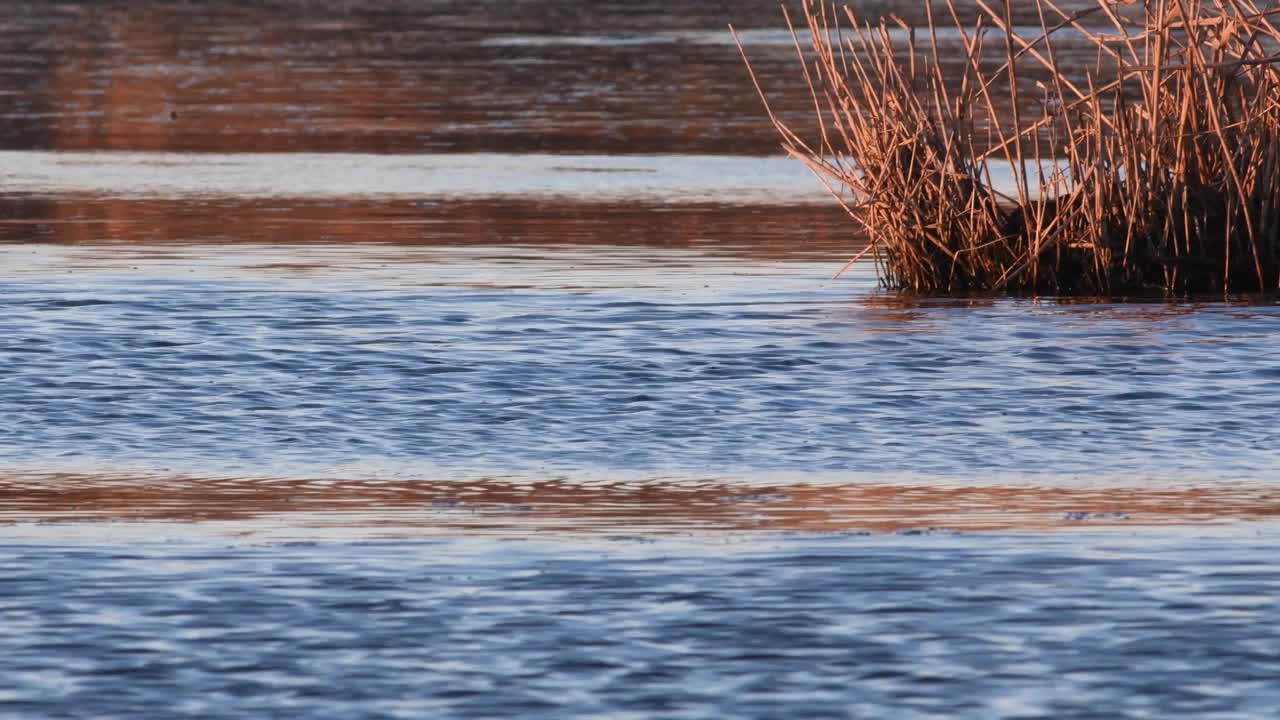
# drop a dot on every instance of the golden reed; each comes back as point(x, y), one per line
point(1155, 168)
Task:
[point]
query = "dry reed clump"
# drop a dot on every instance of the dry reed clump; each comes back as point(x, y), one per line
point(1155, 167)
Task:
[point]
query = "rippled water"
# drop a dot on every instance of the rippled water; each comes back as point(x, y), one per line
point(920, 627)
point(563, 359)
point(443, 359)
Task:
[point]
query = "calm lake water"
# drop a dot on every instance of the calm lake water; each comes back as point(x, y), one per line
point(459, 359)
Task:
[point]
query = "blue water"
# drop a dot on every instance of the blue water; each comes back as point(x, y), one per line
point(973, 627)
point(657, 366)
point(571, 360)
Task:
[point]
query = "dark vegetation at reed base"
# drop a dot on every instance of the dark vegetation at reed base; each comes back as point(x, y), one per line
point(1156, 168)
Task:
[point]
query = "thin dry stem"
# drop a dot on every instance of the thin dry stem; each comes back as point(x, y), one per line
point(1158, 168)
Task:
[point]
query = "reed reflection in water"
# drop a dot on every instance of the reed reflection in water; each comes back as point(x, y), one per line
point(401, 76)
point(650, 506)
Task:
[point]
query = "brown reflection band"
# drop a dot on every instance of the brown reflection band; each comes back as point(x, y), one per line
point(768, 231)
point(648, 507)
point(389, 77)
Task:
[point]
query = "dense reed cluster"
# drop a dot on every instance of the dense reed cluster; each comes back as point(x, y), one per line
point(1155, 165)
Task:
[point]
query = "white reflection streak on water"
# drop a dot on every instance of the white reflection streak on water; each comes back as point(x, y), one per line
point(666, 178)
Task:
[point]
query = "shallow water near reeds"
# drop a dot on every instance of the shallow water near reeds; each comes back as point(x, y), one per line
point(473, 362)
point(588, 360)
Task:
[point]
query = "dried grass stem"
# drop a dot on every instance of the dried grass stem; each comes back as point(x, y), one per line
point(1159, 168)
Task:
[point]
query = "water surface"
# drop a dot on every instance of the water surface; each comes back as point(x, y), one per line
point(397, 76)
point(464, 360)
point(929, 626)
point(560, 359)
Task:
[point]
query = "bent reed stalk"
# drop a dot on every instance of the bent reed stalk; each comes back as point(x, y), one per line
point(1157, 167)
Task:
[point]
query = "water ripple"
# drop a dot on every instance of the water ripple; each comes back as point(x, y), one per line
point(916, 626)
point(609, 360)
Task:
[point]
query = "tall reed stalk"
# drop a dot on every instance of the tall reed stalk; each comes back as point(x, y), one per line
point(1156, 167)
